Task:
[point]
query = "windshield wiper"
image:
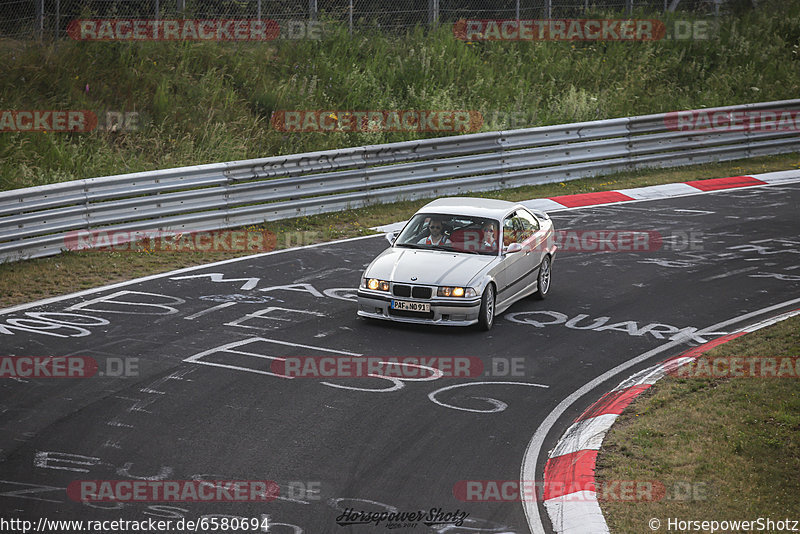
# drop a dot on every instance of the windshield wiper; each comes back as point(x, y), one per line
point(442, 247)
point(436, 247)
point(449, 248)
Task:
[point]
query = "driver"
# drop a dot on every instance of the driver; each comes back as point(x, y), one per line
point(437, 236)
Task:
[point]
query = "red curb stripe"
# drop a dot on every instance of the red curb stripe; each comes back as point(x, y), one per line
point(588, 199)
point(613, 402)
point(705, 347)
point(575, 471)
point(725, 183)
point(569, 473)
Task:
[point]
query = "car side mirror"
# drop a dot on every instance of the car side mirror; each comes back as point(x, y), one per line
point(513, 247)
point(392, 236)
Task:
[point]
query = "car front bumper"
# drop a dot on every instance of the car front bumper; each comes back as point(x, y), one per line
point(463, 312)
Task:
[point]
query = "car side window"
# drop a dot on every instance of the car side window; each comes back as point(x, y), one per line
point(529, 224)
point(519, 227)
point(509, 230)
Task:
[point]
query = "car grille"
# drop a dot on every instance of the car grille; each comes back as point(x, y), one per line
point(421, 292)
point(401, 291)
point(418, 292)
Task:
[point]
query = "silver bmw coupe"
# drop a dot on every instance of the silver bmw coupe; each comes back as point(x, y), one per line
point(460, 261)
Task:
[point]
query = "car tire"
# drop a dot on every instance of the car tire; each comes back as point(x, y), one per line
point(486, 314)
point(544, 278)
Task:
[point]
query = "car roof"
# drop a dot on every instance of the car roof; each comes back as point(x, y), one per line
point(488, 208)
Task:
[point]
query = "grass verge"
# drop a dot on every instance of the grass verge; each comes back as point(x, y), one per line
point(725, 449)
point(30, 280)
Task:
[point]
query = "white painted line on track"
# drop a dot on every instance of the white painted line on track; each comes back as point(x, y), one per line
point(729, 273)
point(498, 406)
point(771, 321)
point(529, 466)
point(94, 290)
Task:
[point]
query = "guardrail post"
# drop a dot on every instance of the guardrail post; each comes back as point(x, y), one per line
point(629, 165)
point(433, 12)
point(312, 10)
point(501, 150)
point(57, 29)
point(747, 143)
point(39, 23)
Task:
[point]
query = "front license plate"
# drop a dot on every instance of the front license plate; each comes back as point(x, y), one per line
point(411, 306)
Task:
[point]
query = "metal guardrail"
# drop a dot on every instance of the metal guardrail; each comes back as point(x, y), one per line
point(36, 221)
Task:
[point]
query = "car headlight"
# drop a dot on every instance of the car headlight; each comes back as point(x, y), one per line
point(376, 285)
point(448, 291)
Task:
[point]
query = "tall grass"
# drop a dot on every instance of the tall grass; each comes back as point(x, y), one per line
point(209, 102)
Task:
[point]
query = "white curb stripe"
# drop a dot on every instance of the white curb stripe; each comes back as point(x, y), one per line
point(586, 434)
point(660, 191)
point(651, 375)
point(778, 176)
point(577, 513)
point(543, 204)
point(651, 192)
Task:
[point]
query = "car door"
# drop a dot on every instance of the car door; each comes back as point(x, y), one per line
point(515, 274)
point(534, 246)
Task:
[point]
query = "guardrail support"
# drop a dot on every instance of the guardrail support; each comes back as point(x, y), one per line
point(39, 22)
point(312, 10)
point(433, 12)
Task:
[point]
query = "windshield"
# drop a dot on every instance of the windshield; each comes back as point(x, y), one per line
point(459, 233)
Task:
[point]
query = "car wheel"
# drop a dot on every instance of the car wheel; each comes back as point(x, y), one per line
point(543, 280)
point(486, 315)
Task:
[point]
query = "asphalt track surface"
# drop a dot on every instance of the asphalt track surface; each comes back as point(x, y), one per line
point(382, 446)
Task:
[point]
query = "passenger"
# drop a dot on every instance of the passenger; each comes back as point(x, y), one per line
point(489, 237)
